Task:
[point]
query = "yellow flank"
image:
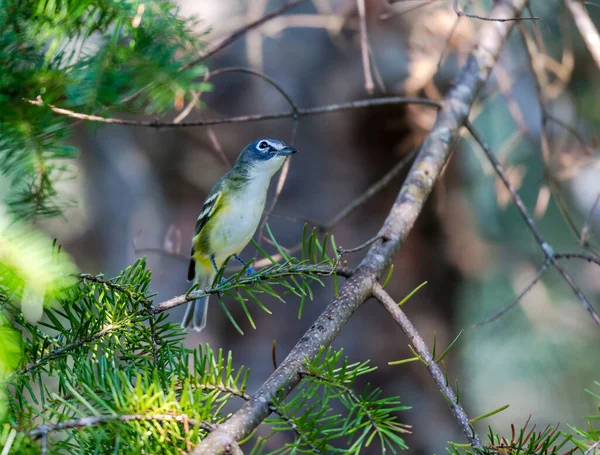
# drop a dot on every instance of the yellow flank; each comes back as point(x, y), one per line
point(202, 263)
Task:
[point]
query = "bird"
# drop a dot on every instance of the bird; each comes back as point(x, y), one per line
point(229, 218)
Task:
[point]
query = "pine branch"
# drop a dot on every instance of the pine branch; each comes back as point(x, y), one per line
point(91, 421)
point(238, 280)
point(66, 348)
point(182, 299)
point(109, 283)
point(409, 203)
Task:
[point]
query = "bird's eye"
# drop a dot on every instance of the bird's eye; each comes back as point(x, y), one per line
point(263, 145)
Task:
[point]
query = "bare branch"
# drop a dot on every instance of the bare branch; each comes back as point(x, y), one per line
point(242, 31)
point(372, 190)
point(259, 74)
point(546, 248)
point(407, 207)
point(364, 46)
point(460, 13)
point(586, 27)
point(516, 301)
point(585, 230)
point(583, 257)
point(301, 112)
point(432, 366)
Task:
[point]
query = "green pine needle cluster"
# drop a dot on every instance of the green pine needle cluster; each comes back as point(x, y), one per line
point(588, 439)
point(525, 441)
point(87, 56)
point(105, 372)
point(326, 415)
point(285, 275)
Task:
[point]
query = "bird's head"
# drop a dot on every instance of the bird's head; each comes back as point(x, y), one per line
point(265, 155)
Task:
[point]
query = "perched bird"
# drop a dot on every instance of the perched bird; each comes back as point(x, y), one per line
point(230, 216)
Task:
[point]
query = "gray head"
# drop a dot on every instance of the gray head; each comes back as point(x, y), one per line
point(264, 156)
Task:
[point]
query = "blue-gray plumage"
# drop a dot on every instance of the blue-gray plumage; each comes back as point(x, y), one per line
point(230, 216)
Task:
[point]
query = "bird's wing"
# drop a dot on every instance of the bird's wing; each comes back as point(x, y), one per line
point(210, 205)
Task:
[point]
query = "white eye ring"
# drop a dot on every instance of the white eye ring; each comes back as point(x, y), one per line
point(263, 145)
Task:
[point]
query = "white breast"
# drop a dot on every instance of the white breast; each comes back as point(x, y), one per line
point(239, 220)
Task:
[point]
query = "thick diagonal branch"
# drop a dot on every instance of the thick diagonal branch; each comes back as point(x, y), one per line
point(410, 201)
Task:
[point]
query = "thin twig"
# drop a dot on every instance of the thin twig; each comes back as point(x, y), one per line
point(217, 146)
point(66, 348)
point(364, 46)
point(583, 257)
point(301, 112)
point(576, 134)
point(585, 229)
point(534, 62)
point(432, 366)
point(592, 448)
point(516, 301)
point(546, 248)
point(108, 283)
point(188, 109)
point(448, 38)
point(242, 31)
point(371, 191)
point(263, 76)
point(362, 246)
point(491, 19)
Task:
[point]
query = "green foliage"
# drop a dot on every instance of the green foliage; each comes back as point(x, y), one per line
point(32, 268)
point(103, 372)
point(313, 411)
point(285, 275)
point(100, 355)
point(525, 441)
point(86, 56)
point(589, 438)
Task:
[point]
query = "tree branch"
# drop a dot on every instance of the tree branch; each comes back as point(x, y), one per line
point(91, 421)
point(545, 246)
point(410, 201)
point(586, 27)
point(364, 46)
point(515, 302)
point(242, 31)
point(432, 366)
point(300, 112)
point(371, 191)
point(167, 305)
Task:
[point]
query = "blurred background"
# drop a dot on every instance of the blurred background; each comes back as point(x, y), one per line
point(140, 190)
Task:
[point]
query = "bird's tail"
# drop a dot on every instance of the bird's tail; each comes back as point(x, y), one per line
point(196, 311)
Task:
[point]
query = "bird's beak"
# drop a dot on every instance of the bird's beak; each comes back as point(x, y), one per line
point(287, 151)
